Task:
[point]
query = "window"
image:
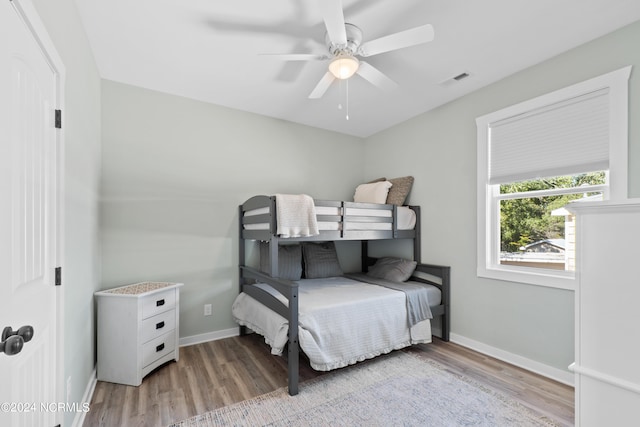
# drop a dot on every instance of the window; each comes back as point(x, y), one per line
point(533, 159)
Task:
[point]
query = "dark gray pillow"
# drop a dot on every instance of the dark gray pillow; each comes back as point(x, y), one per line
point(289, 260)
point(393, 269)
point(320, 260)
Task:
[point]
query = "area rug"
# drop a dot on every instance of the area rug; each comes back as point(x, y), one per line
point(398, 389)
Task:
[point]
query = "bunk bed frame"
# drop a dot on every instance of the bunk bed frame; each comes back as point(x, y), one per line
point(289, 289)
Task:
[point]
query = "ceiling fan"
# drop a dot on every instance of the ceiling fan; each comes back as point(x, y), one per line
point(344, 44)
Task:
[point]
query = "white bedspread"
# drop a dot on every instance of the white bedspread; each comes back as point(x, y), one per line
point(296, 215)
point(341, 321)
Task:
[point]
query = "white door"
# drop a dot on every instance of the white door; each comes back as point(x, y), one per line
point(28, 222)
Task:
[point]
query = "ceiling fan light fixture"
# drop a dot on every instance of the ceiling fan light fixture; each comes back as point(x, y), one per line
point(344, 66)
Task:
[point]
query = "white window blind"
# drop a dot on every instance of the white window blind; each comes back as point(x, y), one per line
point(564, 138)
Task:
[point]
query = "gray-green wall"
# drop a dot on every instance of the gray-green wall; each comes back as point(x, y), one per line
point(439, 149)
point(175, 171)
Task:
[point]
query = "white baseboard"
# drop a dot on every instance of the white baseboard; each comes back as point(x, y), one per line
point(556, 374)
point(78, 421)
point(209, 336)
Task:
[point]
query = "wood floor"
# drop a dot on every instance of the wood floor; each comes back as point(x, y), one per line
point(219, 373)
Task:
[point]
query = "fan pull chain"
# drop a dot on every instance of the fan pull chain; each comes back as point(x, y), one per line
point(347, 117)
point(346, 96)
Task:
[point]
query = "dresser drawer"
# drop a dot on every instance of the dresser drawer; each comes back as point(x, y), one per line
point(158, 347)
point(157, 325)
point(158, 302)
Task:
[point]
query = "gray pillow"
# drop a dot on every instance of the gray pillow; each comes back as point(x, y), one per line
point(393, 269)
point(320, 260)
point(289, 261)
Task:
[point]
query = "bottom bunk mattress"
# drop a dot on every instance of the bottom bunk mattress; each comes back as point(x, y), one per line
point(341, 321)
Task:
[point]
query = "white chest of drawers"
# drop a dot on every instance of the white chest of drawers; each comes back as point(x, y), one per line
point(607, 382)
point(137, 330)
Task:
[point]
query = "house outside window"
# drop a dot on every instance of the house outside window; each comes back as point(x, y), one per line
point(538, 156)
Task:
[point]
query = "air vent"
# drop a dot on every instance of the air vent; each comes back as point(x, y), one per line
point(461, 76)
point(454, 79)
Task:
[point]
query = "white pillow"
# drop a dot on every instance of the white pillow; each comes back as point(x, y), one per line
point(375, 192)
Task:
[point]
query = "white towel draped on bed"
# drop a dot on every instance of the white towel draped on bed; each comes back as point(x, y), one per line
point(296, 215)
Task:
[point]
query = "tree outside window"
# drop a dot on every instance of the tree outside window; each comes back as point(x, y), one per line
point(532, 228)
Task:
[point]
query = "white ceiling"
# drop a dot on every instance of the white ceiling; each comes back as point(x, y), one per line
point(209, 50)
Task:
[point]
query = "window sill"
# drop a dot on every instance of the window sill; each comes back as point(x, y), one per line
point(531, 276)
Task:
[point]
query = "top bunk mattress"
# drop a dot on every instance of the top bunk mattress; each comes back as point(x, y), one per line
point(348, 218)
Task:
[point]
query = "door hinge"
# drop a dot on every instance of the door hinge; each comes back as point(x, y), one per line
point(58, 119)
point(58, 279)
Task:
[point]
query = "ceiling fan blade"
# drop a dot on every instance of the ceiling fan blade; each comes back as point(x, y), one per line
point(412, 37)
point(296, 56)
point(375, 76)
point(322, 86)
point(334, 21)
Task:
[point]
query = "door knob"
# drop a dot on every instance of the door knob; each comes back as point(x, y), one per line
point(12, 345)
point(13, 341)
point(26, 332)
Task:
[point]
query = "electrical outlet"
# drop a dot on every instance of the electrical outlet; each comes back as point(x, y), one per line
point(207, 309)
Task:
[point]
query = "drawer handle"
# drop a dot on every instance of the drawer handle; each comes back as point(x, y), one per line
point(160, 347)
point(160, 325)
point(159, 302)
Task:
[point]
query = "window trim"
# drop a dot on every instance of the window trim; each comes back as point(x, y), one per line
point(488, 225)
